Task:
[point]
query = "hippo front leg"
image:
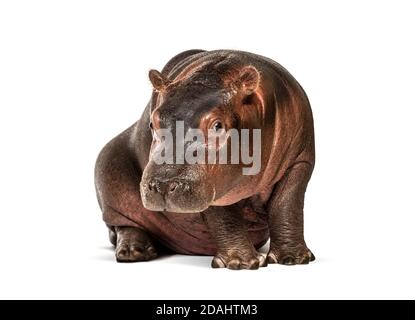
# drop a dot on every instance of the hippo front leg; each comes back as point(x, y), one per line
point(235, 250)
point(286, 221)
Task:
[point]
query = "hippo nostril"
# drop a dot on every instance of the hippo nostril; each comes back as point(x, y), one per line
point(173, 186)
point(152, 186)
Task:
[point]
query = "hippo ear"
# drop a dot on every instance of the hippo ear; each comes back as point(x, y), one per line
point(248, 80)
point(159, 81)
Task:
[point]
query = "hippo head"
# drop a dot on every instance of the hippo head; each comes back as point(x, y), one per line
point(191, 120)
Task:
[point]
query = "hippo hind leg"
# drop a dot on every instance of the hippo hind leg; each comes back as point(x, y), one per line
point(132, 244)
point(286, 218)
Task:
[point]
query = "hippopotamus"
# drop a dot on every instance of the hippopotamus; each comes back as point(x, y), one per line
point(212, 208)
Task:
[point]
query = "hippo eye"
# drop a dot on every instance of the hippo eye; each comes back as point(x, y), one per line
point(217, 126)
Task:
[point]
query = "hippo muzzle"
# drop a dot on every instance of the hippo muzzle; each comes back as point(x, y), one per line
point(177, 188)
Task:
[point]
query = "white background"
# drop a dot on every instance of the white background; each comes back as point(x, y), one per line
point(73, 74)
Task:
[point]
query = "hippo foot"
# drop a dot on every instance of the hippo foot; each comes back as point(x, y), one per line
point(287, 255)
point(134, 252)
point(134, 245)
point(238, 260)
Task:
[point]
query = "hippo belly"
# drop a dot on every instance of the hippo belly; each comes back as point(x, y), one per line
point(191, 235)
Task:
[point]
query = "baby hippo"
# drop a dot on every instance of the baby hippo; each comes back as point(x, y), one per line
point(217, 165)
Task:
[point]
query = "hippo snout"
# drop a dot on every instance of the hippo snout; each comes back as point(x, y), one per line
point(175, 195)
